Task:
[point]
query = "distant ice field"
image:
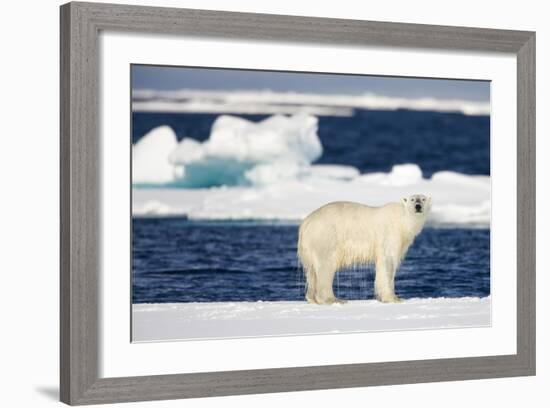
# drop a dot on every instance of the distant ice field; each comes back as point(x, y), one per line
point(269, 102)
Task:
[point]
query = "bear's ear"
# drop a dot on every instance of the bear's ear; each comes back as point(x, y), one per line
point(429, 201)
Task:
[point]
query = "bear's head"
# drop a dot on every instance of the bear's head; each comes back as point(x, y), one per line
point(417, 204)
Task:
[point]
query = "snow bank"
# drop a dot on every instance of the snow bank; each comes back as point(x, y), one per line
point(271, 102)
point(458, 200)
point(175, 321)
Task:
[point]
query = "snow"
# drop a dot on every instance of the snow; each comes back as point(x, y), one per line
point(272, 102)
point(173, 321)
point(457, 200)
point(150, 162)
point(289, 138)
point(401, 175)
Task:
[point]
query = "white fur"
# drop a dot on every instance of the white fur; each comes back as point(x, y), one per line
point(343, 234)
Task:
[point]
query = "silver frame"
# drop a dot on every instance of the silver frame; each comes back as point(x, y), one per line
point(81, 24)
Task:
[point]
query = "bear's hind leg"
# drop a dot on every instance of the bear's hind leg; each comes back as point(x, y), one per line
point(324, 294)
point(311, 285)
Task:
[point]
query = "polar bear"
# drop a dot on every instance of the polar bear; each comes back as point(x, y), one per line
point(343, 234)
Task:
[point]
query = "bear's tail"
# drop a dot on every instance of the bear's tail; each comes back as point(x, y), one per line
point(304, 258)
point(300, 251)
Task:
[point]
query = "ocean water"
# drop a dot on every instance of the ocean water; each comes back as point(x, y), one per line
point(370, 140)
point(176, 260)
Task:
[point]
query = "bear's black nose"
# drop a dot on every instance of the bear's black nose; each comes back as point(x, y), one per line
point(418, 207)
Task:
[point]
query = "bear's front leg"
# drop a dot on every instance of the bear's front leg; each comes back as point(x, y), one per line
point(384, 282)
point(311, 282)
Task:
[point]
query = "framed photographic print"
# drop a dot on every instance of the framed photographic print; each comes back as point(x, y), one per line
point(260, 203)
point(227, 163)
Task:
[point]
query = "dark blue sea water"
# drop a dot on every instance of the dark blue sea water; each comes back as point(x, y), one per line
point(370, 140)
point(176, 260)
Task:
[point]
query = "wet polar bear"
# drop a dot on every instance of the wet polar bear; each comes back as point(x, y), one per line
point(343, 234)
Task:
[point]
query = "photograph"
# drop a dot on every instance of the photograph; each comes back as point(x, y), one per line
point(279, 203)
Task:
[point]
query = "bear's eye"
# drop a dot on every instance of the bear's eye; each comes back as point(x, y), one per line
point(423, 199)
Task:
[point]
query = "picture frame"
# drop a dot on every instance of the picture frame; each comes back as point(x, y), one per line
point(80, 158)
